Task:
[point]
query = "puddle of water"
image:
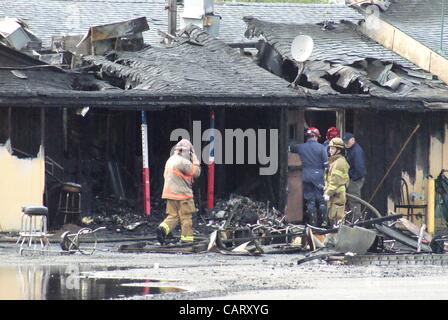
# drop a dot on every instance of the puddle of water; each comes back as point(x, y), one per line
point(67, 283)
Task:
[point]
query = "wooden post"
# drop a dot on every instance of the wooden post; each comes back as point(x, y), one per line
point(220, 170)
point(283, 159)
point(340, 121)
point(42, 148)
point(172, 17)
point(430, 212)
point(294, 193)
point(42, 128)
point(9, 123)
point(65, 129)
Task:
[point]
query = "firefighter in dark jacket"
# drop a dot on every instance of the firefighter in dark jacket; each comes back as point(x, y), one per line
point(314, 160)
point(357, 173)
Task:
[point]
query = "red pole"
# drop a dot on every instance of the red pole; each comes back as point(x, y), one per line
point(146, 186)
point(211, 166)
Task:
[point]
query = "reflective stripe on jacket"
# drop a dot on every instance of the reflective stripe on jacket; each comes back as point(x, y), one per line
point(337, 179)
point(179, 174)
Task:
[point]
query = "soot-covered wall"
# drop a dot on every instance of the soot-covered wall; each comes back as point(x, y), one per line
point(382, 134)
point(229, 178)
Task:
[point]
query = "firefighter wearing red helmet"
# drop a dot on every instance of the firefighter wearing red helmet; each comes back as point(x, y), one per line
point(314, 159)
point(312, 132)
point(332, 133)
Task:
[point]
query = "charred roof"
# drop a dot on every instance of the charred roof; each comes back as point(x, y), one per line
point(346, 62)
point(47, 18)
point(196, 71)
point(422, 20)
point(194, 63)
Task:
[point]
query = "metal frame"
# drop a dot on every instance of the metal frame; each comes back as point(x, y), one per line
point(31, 233)
point(71, 242)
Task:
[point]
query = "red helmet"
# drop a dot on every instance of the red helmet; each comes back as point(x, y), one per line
point(333, 132)
point(312, 132)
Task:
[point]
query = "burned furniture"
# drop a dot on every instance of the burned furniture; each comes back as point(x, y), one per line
point(70, 202)
point(84, 241)
point(407, 202)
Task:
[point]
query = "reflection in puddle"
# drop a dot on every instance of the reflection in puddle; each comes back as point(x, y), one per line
point(67, 283)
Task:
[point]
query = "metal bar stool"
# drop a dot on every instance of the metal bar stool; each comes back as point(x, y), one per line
point(34, 227)
point(70, 201)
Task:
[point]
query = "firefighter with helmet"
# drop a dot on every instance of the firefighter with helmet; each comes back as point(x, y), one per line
point(336, 181)
point(314, 160)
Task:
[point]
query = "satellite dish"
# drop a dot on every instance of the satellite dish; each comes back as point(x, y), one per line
point(302, 47)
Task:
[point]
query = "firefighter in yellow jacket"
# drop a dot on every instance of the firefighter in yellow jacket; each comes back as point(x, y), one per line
point(180, 171)
point(336, 181)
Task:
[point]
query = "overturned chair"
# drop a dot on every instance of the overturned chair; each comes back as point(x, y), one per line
point(33, 230)
point(75, 242)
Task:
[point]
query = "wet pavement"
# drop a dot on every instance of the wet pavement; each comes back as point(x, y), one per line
point(150, 276)
point(72, 283)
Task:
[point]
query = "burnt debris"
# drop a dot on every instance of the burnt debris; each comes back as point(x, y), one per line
point(344, 61)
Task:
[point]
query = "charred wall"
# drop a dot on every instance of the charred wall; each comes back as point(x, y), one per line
point(104, 146)
point(241, 179)
point(101, 154)
point(245, 179)
point(25, 131)
point(382, 134)
point(4, 124)
point(22, 126)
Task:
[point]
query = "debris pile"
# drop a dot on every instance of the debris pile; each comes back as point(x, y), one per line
point(15, 34)
point(243, 226)
point(120, 216)
point(240, 211)
point(388, 240)
point(66, 50)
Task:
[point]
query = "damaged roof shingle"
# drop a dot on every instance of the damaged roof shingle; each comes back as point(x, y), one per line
point(49, 18)
point(341, 43)
point(195, 64)
point(345, 61)
point(420, 19)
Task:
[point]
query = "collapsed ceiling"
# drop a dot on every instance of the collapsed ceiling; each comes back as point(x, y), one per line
point(344, 61)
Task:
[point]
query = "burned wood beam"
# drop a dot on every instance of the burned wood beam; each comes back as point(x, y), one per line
point(65, 129)
point(245, 45)
point(166, 35)
point(363, 223)
point(127, 100)
point(171, 7)
point(119, 29)
point(42, 128)
point(283, 159)
point(402, 238)
point(9, 122)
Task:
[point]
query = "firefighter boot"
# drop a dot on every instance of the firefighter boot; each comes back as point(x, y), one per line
point(323, 219)
point(311, 212)
point(161, 235)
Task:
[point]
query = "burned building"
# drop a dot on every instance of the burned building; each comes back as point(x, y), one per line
point(408, 104)
point(89, 123)
point(366, 87)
